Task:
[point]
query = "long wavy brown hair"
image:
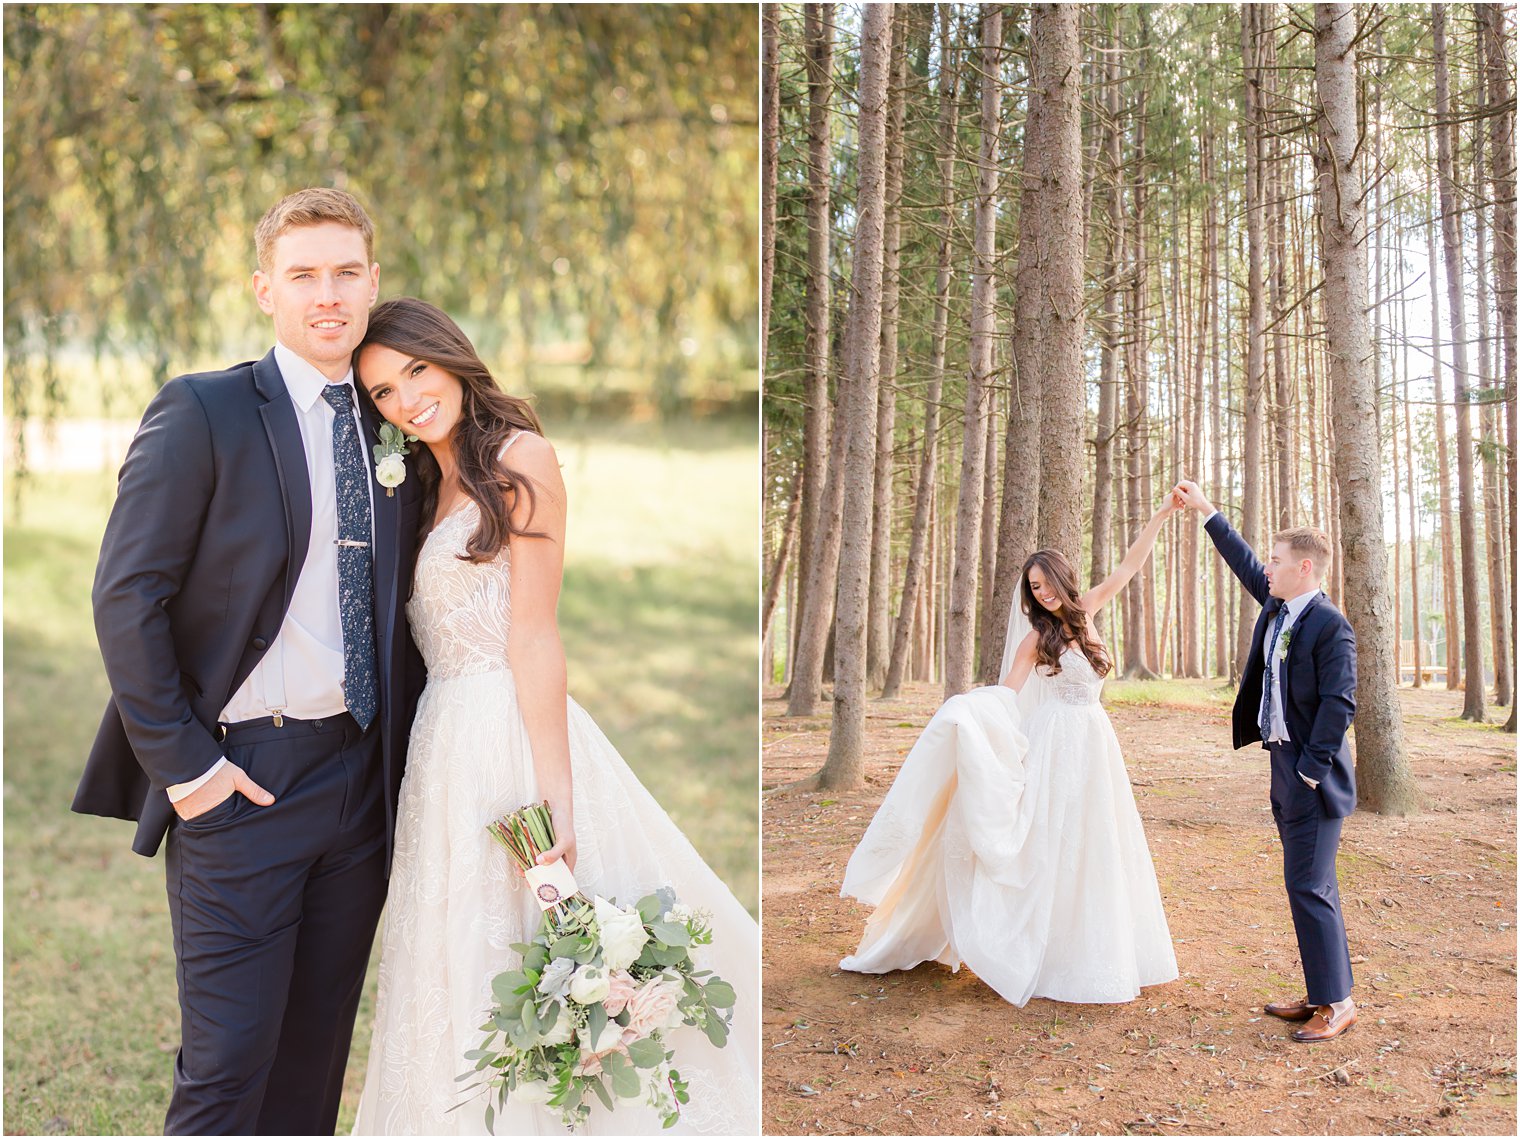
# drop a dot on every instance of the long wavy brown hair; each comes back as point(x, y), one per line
point(1054, 631)
point(488, 416)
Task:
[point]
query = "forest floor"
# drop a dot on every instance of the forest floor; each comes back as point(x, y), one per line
point(1430, 913)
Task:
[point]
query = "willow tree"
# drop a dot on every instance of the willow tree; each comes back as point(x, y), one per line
point(529, 168)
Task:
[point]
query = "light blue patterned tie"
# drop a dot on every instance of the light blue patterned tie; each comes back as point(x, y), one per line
point(1266, 683)
point(356, 588)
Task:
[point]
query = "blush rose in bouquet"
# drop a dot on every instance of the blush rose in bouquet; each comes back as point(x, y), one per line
point(589, 1013)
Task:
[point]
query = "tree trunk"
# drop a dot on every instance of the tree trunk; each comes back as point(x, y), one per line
point(1488, 434)
point(845, 765)
point(879, 634)
point(1137, 435)
point(778, 569)
point(1383, 774)
point(1443, 461)
point(1275, 206)
point(1414, 535)
point(1218, 388)
point(770, 133)
point(923, 496)
point(1253, 27)
point(1108, 326)
point(820, 527)
point(961, 624)
point(990, 635)
point(1050, 265)
point(1501, 148)
point(1191, 657)
point(1472, 637)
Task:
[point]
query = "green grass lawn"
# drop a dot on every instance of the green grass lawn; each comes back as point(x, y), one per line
point(659, 621)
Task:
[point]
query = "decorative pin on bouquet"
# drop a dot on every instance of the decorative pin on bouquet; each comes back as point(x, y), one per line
point(599, 989)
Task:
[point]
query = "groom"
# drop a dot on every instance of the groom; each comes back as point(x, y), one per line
point(1296, 697)
point(248, 605)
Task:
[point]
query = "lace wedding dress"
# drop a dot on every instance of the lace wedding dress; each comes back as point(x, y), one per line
point(455, 908)
point(1010, 841)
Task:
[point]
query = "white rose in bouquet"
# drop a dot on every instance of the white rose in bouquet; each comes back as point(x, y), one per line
point(623, 934)
point(590, 985)
point(563, 1030)
point(606, 1040)
point(532, 1091)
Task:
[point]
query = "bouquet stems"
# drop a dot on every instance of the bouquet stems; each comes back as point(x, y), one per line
point(525, 834)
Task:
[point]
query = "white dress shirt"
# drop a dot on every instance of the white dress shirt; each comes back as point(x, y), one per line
point(301, 674)
point(1274, 659)
point(1278, 723)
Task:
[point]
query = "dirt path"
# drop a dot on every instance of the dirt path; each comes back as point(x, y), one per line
point(1430, 911)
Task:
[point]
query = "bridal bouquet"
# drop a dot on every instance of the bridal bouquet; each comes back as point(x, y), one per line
point(599, 988)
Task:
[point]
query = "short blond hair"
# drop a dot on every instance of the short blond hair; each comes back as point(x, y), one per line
point(312, 206)
point(1307, 542)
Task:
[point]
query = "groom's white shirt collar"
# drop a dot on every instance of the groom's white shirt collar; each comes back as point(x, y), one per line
point(302, 379)
point(1298, 604)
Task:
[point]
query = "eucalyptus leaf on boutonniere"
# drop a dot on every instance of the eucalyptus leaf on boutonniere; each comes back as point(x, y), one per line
point(1284, 639)
point(390, 457)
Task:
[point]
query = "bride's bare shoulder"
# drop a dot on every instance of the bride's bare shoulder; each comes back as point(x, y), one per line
point(529, 453)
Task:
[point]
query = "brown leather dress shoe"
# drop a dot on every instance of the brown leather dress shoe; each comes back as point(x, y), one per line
point(1325, 1025)
point(1298, 1010)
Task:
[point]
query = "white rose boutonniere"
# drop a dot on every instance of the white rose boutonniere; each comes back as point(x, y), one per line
point(390, 457)
point(1284, 639)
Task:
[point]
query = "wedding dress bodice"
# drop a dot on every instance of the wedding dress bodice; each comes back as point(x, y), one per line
point(1076, 683)
point(460, 612)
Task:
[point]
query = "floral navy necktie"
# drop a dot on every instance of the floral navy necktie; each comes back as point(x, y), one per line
point(356, 588)
point(1266, 682)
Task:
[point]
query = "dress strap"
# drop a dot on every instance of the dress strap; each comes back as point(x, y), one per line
point(505, 447)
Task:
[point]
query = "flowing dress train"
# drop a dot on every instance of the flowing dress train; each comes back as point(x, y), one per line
point(1015, 846)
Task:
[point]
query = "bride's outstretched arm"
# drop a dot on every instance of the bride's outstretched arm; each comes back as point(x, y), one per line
point(1023, 662)
point(534, 649)
point(1105, 591)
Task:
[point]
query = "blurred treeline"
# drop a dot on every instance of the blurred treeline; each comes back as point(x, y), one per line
point(575, 184)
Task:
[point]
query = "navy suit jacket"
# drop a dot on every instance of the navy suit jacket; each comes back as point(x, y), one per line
point(197, 567)
point(1317, 678)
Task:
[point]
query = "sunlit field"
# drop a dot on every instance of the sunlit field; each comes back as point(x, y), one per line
point(659, 618)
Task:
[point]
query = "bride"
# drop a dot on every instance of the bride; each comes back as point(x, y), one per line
point(495, 730)
point(1010, 840)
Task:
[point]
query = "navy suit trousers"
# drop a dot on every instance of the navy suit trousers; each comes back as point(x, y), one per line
point(274, 911)
point(1310, 837)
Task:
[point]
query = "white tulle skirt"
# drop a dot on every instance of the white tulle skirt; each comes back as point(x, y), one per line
point(1017, 849)
point(455, 908)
